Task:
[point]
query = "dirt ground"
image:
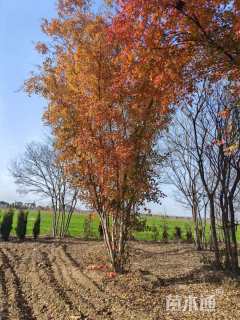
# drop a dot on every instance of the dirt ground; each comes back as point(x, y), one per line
point(52, 280)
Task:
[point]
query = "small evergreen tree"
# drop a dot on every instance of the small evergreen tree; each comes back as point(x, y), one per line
point(177, 233)
point(155, 233)
point(139, 223)
point(165, 234)
point(21, 228)
point(6, 225)
point(189, 235)
point(87, 227)
point(36, 226)
point(100, 230)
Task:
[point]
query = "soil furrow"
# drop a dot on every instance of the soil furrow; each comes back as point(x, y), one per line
point(70, 261)
point(23, 310)
point(109, 303)
point(77, 273)
point(76, 281)
point(60, 288)
point(47, 303)
point(4, 313)
point(29, 283)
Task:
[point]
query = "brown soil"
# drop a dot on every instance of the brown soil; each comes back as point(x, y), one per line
point(52, 280)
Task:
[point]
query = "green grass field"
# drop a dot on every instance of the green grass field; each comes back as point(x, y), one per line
point(77, 224)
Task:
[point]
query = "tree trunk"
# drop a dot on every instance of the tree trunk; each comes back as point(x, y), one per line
point(197, 237)
point(226, 234)
point(214, 232)
point(234, 248)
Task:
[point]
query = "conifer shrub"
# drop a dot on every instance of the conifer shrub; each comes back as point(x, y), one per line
point(178, 233)
point(165, 234)
point(100, 230)
point(155, 233)
point(189, 235)
point(37, 226)
point(139, 223)
point(6, 225)
point(87, 227)
point(21, 227)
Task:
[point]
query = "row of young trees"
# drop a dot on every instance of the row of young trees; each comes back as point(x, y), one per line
point(6, 225)
point(156, 231)
point(177, 233)
point(112, 83)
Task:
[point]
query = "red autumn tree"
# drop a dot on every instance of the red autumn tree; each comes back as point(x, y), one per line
point(198, 35)
point(180, 43)
point(106, 130)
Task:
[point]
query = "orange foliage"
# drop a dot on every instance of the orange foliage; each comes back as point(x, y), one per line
point(106, 122)
point(172, 45)
point(180, 42)
point(111, 88)
point(225, 113)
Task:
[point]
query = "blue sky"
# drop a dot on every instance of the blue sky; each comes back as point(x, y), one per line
point(20, 116)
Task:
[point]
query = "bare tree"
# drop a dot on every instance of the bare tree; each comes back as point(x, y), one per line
point(39, 171)
point(218, 169)
point(229, 169)
point(183, 173)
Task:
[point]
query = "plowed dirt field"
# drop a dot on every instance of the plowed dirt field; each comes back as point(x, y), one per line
point(53, 280)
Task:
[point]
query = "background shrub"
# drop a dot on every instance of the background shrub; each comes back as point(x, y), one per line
point(21, 228)
point(189, 235)
point(36, 226)
point(165, 234)
point(139, 223)
point(177, 233)
point(100, 230)
point(6, 225)
point(155, 233)
point(87, 227)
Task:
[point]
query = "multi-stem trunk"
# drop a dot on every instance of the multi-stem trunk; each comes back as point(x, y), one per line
point(115, 237)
